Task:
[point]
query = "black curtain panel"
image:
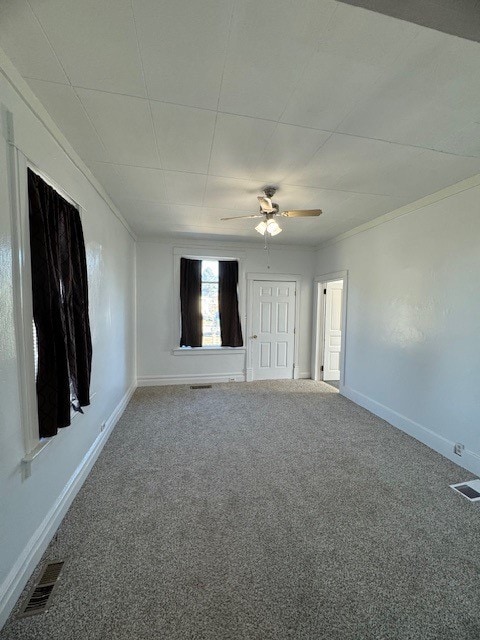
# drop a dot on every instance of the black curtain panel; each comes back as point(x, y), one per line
point(230, 327)
point(191, 302)
point(60, 306)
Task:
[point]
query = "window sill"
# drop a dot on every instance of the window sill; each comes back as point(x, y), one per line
point(31, 455)
point(28, 458)
point(206, 351)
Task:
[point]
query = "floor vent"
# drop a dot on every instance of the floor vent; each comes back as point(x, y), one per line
point(38, 600)
point(470, 489)
point(200, 386)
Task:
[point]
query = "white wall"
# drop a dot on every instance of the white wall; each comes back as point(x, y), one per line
point(31, 507)
point(413, 321)
point(157, 301)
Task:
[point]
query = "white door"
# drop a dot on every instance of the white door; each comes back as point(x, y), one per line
point(333, 330)
point(272, 339)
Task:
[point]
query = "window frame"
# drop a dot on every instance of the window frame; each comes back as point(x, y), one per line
point(33, 443)
point(205, 253)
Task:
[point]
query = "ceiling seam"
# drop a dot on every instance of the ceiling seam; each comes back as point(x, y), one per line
point(363, 100)
point(55, 137)
point(49, 42)
point(300, 75)
point(227, 42)
point(84, 109)
point(210, 159)
point(278, 123)
point(84, 170)
point(82, 106)
point(285, 184)
point(147, 93)
point(336, 131)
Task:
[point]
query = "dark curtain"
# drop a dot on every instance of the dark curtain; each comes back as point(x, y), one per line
point(191, 302)
point(230, 327)
point(60, 306)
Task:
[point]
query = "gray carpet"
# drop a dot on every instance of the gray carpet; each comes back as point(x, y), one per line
point(263, 511)
point(333, 383)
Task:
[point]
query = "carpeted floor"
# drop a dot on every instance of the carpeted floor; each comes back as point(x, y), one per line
point(265, 510)
point(333, 383)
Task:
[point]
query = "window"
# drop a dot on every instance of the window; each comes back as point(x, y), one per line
point(209, 303)
point(210, 313)
point(61, 339)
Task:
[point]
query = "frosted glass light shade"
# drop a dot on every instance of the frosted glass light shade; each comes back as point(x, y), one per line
point(261, 228)
point(270, 226)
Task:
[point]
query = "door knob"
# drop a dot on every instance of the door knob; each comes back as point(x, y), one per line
point(254, 337)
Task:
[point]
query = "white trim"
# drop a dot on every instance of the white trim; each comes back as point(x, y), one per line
point(42, 444)
point(448, 192)
point(207, 351)
point(35, 452)
point(469, 460)
point(135, 313)
point(19, 165)
point(272, 277)
point(18, 576)
point(193, 378)
point(319, 320)
point(22, 287)
point(31, 101)
point(304, 375)
point(51, 183)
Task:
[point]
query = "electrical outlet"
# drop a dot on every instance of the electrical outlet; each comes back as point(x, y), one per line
point(458, 448)
point(102, 426)
point(231, 379)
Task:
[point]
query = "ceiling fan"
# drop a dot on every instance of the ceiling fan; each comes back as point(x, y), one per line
point(269, 210)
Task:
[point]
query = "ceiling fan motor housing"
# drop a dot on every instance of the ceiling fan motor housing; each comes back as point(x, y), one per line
point(270, 191)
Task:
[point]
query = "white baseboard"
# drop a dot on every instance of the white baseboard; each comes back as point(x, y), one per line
point(193, 378)
point(469, 460)
point(303, 375)
point(21, 571)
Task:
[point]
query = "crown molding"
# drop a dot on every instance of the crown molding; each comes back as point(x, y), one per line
point(417, 205)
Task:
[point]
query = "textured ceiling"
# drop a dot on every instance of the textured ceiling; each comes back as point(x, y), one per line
point(184, 109)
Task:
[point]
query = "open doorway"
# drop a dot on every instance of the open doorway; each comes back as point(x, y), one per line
point(329, 334)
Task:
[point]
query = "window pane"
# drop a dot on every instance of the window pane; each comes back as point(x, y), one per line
point(211, 320)
point(209, 270)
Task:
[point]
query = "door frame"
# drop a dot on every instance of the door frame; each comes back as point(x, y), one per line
point(272, 277)
point(318, 332)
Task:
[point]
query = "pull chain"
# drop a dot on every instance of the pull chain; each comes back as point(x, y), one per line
point(267, 249)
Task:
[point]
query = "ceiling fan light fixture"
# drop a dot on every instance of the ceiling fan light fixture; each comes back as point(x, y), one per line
point(268, 210)
point(270, 226)
point(273, 228)
point(261, 228)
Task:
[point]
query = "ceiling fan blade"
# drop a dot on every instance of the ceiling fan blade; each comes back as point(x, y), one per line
point(301, 213)
point(254, 215)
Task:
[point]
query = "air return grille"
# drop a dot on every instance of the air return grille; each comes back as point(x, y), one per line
point(470, 489)
point(201, 386)
point(39, 597)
